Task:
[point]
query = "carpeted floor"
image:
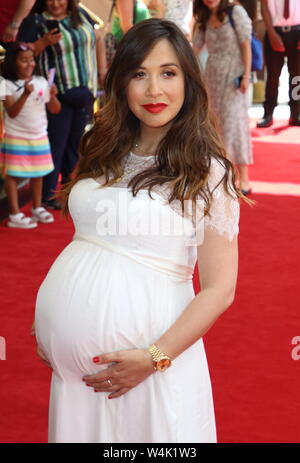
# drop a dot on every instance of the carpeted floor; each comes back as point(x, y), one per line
point(276, 153)
point(256, 382)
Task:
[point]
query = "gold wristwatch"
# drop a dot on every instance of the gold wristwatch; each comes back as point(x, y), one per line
point(160, 361)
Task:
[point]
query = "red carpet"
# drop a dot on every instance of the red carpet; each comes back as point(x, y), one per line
point(276, 153)
point(24, 387)
point(256, 382)
point(275, 163)
point(279, 132)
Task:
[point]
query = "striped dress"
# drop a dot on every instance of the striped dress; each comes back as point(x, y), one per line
point(73, 57)
point(25, 150)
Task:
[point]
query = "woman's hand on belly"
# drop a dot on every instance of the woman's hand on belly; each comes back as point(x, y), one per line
point(130, 367)
point(39, 351)
point(43, 357)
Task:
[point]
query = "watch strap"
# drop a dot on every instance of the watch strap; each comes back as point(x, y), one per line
point(156, 353)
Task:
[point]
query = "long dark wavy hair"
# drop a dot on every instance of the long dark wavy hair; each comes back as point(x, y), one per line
point(202, 12)
point(183, 156)
point(40, 6)
point(8, 68)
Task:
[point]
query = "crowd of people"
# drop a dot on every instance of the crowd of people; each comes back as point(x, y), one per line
point(116, 316)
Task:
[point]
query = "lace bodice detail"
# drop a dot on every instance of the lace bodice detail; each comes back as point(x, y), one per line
point(224, 211)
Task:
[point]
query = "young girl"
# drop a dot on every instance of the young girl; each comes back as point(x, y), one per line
point(25, 151)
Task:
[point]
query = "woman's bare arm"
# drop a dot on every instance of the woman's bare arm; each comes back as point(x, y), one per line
point(247, 58)
point(12, 107)
point(101, 55)
point(125, 12)
point(218, 267)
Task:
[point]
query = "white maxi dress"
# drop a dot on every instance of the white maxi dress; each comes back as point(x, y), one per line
point(120, 284)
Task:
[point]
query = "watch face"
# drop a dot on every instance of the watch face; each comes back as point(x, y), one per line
point(163, 364)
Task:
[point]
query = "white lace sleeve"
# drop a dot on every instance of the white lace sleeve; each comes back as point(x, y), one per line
point(225, 209)
point(242, 23)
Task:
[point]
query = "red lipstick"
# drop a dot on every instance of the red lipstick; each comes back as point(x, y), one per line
point(155, 108)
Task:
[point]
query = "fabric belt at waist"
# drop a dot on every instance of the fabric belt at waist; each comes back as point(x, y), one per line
point(286, 29)
point(181, 272)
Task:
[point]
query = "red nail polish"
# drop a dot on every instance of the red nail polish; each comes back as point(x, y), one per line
point(96, 359)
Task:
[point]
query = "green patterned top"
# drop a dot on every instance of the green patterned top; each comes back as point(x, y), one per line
point(141, 13)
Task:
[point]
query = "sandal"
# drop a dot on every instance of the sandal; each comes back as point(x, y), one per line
point(19, 220)
point(40, 214)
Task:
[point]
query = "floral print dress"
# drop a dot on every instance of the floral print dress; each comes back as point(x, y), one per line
point(223, 66)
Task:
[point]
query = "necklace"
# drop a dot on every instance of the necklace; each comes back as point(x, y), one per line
point(137, 145)
point(140, 158)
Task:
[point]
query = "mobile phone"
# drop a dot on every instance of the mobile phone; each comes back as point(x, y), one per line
point(237, 81)
point(52, 24)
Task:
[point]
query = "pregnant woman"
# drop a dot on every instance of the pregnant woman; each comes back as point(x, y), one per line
point(116, 317)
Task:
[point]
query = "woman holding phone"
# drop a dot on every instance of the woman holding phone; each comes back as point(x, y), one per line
point(65, 39)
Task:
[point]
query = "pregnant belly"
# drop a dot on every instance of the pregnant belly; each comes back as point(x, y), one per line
point(94, 301)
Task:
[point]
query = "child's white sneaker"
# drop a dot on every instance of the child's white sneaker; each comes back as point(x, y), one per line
point(19, 220)
point(40, 214)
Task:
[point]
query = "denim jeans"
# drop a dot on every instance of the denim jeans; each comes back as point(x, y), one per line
point(65, 130)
